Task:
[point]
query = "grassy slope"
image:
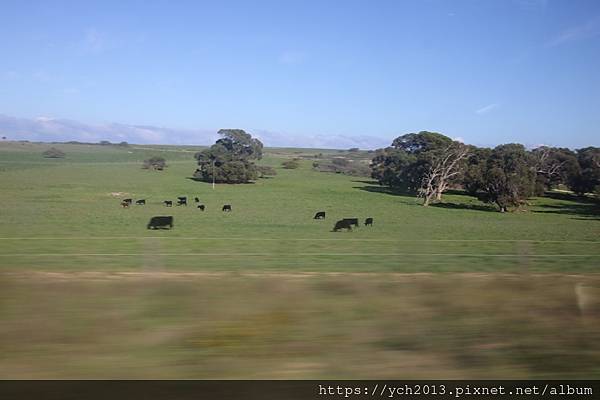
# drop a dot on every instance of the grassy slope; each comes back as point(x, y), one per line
point(71, 198)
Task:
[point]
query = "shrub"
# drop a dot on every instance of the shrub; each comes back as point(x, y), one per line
point(53, 152)
point(156, 163)
point(264, 171)
point(290, 164)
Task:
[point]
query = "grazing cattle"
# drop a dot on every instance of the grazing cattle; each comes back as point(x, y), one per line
point(125, 204)
point(168, 203)
point(369, 222)
point(320, 215)
point(201, 207)
point(160, 223)
point(182, 201)
point(128, 201)
point(352, 221)
point(342, 224)
point(227, 207)
point(141, 202)
point(197, 200)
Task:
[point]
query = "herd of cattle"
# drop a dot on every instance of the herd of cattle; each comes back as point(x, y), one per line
point(166, 222)
point(345, 223)
point(181, 201)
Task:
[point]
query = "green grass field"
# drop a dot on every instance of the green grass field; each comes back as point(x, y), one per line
point(456, 290)
point(62, 214)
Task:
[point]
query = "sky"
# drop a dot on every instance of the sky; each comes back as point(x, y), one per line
point(485, 72)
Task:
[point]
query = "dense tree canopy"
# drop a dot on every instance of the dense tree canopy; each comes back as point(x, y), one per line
point(509, 176)
point(230, 159)
point(428, 163)
point(586, 177)
point(553, 166)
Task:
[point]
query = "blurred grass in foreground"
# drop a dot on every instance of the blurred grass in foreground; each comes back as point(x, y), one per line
point(259, 326)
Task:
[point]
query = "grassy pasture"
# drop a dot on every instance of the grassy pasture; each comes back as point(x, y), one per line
point(62, 214)
point(450, 291)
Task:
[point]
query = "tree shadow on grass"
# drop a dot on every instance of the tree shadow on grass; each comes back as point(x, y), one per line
point(583, 207)
point(191, 178)
point(462, 206)
point(369, 182)
point(583, 211)
point(384, 189)
point(564, 196)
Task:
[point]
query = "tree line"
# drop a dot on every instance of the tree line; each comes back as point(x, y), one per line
point(428, 164)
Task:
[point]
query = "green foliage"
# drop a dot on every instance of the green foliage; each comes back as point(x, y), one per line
point(509, 176)
point(403, 165)
point(553, 167)
point(586, 177)
point(475, 169)
point(290, 164)
point(230, 159)
point(156, 163)
point(53, 152)
point(265, 170)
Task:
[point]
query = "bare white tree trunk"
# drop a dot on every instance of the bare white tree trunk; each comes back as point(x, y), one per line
point(443, 169)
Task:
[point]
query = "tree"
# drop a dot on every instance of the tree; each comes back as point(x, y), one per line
point(444, 167)
point(553, 166)
point(474, 171)
point(53, 152)
point(586, 177)
point(426, 163)
point(230, 159)
point(156, 163)
point(509, 176)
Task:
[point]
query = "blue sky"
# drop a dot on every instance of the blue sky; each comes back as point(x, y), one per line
point(488, 72)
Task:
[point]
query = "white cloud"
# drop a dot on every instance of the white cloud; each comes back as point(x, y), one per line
point(459, 139)
point(586, 30)
point(487, 109)
point(49, 129)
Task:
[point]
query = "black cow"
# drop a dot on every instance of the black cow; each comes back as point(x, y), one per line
point(320, 215)
point(160, 223)
point(369, 222)
point(168, 203)
point(227, 207)
point(201, 207)
point(141, 202)
point(197, 200)
point(342, 224)
point(128, 201)
point(182, 201)
point(352, 221)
